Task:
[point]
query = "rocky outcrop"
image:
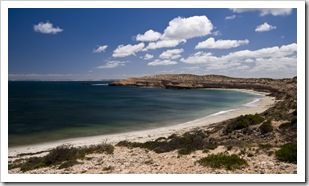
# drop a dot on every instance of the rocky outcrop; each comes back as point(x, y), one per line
point(277, 87)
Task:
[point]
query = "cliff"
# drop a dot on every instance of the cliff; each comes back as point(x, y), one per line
point(277, 87)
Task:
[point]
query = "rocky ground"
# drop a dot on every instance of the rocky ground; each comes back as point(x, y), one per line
point(140, 161)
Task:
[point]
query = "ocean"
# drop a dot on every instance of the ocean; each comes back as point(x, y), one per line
point(48, 111)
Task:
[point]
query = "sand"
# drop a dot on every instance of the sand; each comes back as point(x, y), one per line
point(141, 136)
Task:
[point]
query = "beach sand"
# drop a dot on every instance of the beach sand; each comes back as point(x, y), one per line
point(146, 135)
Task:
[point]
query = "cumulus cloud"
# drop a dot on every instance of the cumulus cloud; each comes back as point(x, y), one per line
point(265, 27)
point(127, 50)
point(265, 11)
point(171, 54)
point(186, 28)
point(220, 44)
point(158, 62)
point(230, 17)
point(46, 28)
point(147, 57)
point(163, 44)
point(150, 35)
point(112, 64)
point(216, 33)
point(272, 59)
point(100, 49)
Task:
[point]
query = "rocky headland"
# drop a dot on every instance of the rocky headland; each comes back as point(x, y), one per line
point(190, 81)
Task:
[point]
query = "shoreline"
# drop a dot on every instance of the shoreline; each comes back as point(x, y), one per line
point(151, 134)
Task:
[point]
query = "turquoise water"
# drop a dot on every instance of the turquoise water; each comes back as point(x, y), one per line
point(49, 111)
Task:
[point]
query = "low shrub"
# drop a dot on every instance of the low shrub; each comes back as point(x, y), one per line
point(67, 164)
point(65, 156)
point(63, 153)
point(287, 153)
point(212, 146)
point(184, 151)
point(33, 163)
point(229, 147)
point(189, 141)
point(242, 122)
point(228, 162)
point(289, 125)
point(265, 146)
point(266, 127)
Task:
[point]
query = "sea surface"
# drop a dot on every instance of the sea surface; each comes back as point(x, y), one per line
point(49, 111)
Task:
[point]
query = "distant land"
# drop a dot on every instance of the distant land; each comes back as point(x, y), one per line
point(190, 81)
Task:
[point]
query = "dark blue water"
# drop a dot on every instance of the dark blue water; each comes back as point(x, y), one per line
point(48, 111)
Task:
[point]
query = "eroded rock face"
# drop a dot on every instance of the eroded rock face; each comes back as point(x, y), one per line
point(189, 81)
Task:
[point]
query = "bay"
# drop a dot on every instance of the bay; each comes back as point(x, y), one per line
point(49, 111)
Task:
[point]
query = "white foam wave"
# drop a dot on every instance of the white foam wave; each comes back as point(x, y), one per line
point(103, 84)
point(222, 112)
point(253, 103)
point(201, 119)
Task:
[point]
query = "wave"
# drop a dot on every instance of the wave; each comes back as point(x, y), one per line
point(98, 84)
point(215, 114)
point(222, 112)
point(252, 103)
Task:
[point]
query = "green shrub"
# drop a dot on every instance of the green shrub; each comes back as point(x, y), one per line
point(63, 153)
point(100, 148)
point(109, 168)
point(184, 151)
point(67, 164)
point(33, 163)
point(212, 146)
point(289, 125)
point(229, 147)
point(191, 141)
point(242, 122)
point(265, 146)
point(287, 153)
point(266, 127)
point(229, 162)
point(66, 154)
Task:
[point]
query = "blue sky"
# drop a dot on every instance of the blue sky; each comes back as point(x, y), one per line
point(95, 44)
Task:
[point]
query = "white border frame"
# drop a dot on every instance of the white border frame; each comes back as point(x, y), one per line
point(299, 177)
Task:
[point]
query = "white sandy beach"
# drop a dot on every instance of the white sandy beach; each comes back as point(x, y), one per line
point(141, 136)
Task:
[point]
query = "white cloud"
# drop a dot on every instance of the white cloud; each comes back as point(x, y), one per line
point(171, 54)
point(186, 28)
point(265, 11)
point(220, 44)
point(273, 59)
point(100, 49)
point(147, 57)
point(265, 27)
point(200, 58)
point(150, 35)
point(230, 17)
point(127, 50)
point(46, 28)
point(163, 44)
point(158, 62)
point(216, 33)
point(112, 64)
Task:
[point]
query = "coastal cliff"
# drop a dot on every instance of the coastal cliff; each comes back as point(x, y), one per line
point(277, 87)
